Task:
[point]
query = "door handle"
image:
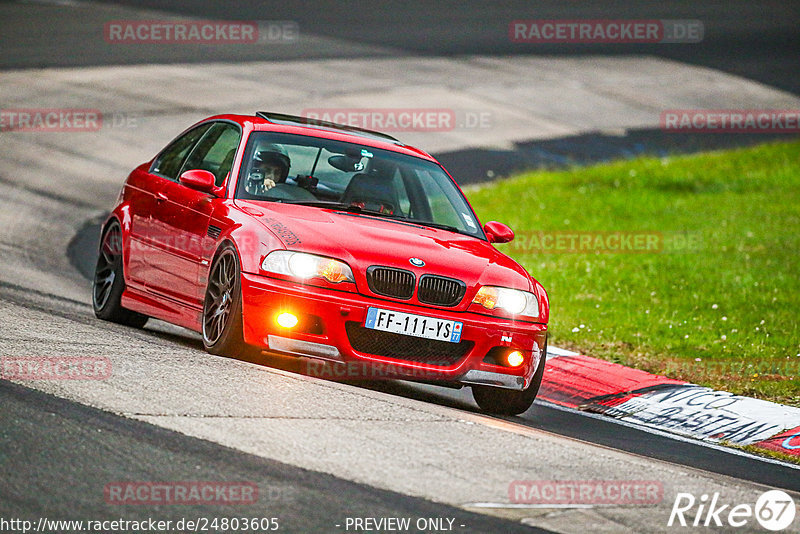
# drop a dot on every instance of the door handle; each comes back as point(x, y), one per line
point(160, 197)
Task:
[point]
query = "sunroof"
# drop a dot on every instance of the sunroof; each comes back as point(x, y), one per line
point(294, 120)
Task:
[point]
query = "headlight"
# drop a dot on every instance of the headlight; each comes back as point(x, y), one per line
point(305, 266)
point(513, 301)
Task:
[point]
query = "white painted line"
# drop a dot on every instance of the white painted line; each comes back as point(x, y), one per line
point(521, 506)
point(555, 351)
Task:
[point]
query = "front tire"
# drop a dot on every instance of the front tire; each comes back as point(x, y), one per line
point(222, 308)
point(109, 282)
point(507, 401)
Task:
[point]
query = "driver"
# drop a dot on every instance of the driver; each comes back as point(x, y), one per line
point(270, 167)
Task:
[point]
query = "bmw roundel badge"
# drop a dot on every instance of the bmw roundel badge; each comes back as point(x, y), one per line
point(416, 262)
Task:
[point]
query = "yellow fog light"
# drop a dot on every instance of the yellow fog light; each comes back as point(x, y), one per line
point(287, 320)
point(515, 358)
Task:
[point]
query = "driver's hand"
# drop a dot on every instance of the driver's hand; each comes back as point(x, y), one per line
point(268, 184)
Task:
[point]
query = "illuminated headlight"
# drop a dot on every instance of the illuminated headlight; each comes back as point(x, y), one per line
point(512, 301)
point(305, 266)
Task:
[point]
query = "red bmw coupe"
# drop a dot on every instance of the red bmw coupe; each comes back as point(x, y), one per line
point(324, 241)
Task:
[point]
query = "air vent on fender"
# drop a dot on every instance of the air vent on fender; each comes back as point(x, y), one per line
point(214, 231)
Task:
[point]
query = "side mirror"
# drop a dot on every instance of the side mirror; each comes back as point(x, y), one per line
point(200, 180)
point(498, 232)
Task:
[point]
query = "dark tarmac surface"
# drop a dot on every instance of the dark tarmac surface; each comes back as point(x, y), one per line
point(56, 455)
point(757, 40)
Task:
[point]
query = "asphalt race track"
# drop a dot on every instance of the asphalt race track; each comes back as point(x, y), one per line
point(759, 40)
point(37, 424)
point(322, 451)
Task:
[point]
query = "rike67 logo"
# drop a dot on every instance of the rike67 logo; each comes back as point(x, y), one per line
point(774, 510)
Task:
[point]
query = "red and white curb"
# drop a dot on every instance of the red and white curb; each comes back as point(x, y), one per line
point(588, 384)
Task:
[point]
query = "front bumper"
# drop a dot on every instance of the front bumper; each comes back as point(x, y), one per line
point(331, 313)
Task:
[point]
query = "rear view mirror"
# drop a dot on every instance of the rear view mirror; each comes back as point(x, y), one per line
point(200, 180)
point(346, 163)
point(498, 232)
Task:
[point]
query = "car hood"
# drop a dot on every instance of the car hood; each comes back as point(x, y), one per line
point(363, 240)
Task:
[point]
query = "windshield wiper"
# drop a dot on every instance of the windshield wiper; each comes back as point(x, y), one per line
point(354, 208)
point(350, 208)
point(436, 225)
point(315, 203)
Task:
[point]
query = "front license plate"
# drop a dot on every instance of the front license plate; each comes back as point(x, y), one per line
point(413, 325)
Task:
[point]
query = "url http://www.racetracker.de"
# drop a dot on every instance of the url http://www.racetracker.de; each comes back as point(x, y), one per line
point(196, 524)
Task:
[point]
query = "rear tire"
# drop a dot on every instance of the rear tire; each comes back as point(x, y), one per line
point(222, 308)
point(109, 282)
point(508, 401)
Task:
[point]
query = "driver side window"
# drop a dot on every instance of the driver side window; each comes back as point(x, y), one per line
point(170, 160)
point(215, 151)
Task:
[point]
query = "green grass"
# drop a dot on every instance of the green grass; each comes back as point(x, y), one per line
point(765, 453)
point(718, 306)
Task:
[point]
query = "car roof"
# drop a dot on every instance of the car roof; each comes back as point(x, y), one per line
point(294, 120)
point(280, 122)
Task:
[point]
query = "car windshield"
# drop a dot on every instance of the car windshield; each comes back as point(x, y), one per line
point(374, 182)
